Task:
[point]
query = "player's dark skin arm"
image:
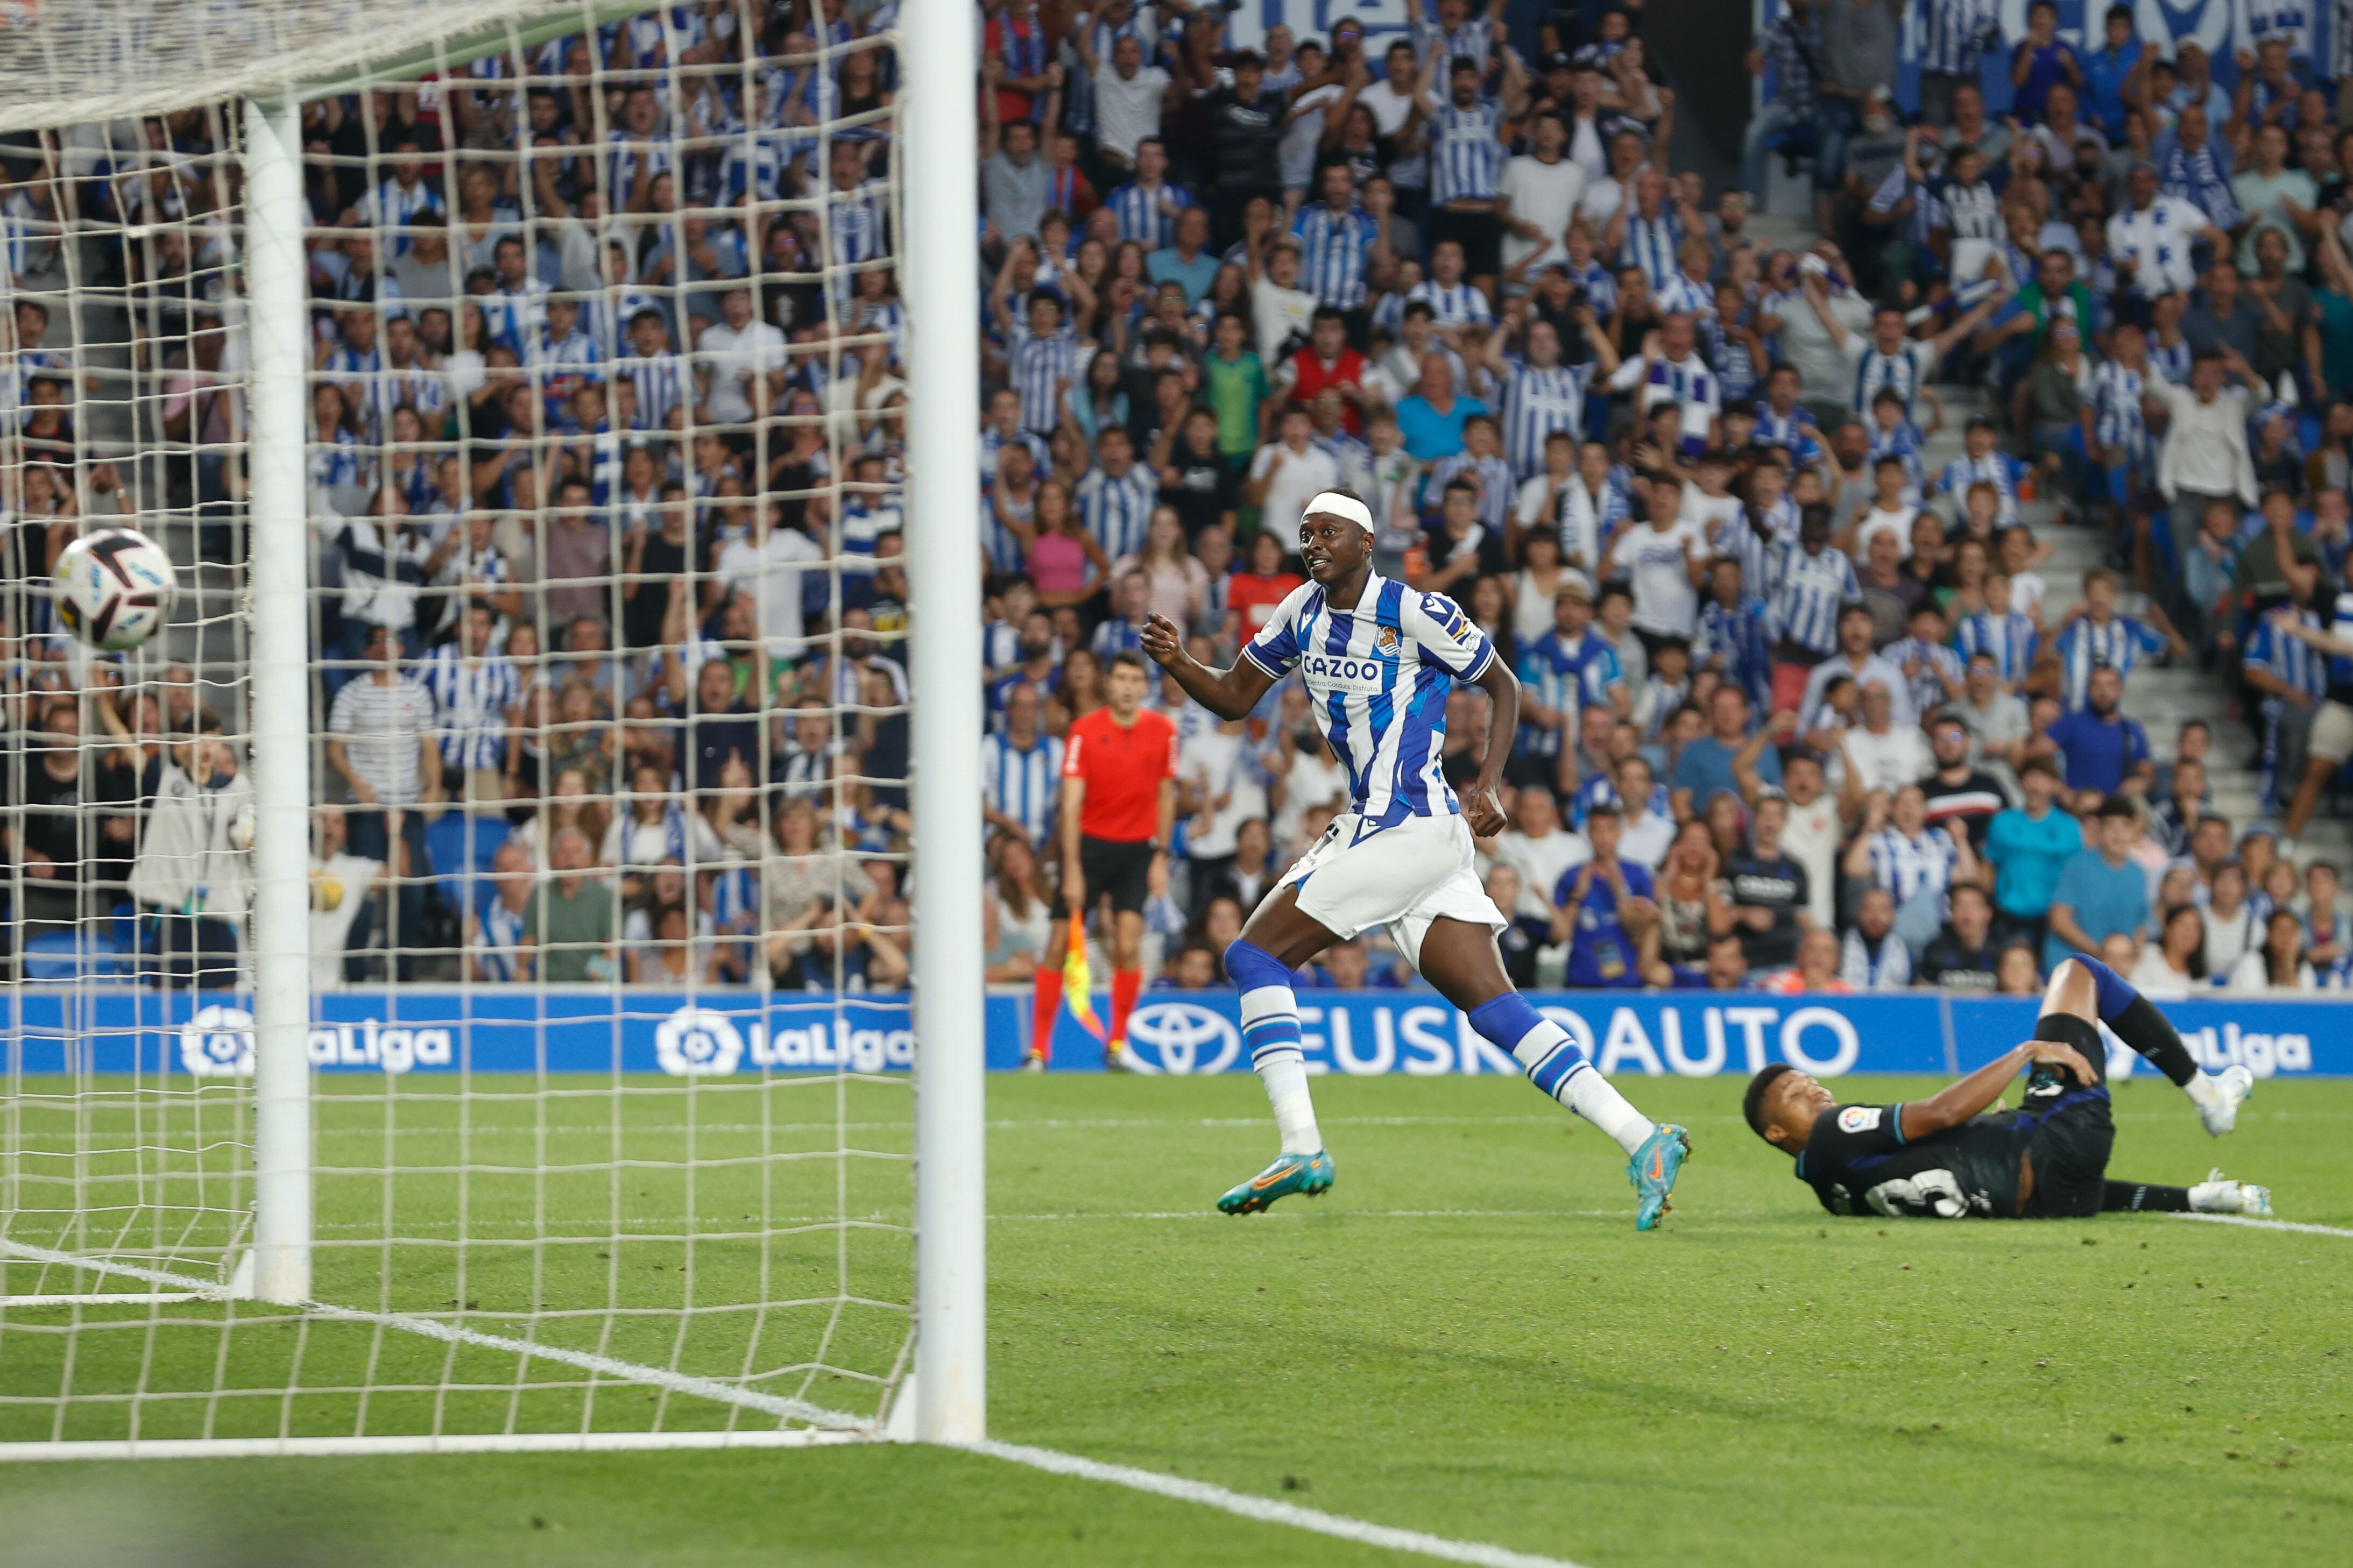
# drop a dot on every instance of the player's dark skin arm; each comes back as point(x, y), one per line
point(1957, 1102)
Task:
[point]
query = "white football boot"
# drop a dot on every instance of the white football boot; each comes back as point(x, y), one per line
point(2219, 1194)
point(2220, 1111)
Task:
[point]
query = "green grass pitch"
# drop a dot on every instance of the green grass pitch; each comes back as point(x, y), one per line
point(1466, 1338)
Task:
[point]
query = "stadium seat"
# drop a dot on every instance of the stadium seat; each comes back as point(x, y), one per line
point(71, 958)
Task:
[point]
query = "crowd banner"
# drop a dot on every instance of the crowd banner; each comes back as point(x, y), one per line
point(49, 1031)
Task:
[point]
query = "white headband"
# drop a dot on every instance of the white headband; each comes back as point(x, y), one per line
point(1338, 505)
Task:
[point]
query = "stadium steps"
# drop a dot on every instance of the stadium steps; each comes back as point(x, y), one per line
point(2162, 697)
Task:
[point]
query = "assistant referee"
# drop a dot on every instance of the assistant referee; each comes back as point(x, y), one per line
point(1118, 809)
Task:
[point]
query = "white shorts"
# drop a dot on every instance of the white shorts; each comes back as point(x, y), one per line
point(1356, 877)
point(2331, 736)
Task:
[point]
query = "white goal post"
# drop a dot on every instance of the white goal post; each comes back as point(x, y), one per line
point(111, 1269)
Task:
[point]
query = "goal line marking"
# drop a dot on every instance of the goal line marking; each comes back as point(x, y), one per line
point(452, 1333)
point(2252, 1223)
point(1266, 1510)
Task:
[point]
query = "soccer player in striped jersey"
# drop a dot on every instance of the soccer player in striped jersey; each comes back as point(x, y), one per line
point(1378, 660)
point(2093, 634)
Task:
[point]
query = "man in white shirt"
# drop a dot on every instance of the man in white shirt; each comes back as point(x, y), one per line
point(767, 565)
point(2150, 239)
point(1540, 849)
point(2205, 457)
point(1648, 834)
point(1280, 309)
point(341, 883)
point(1882, 754)
point(1855, 658)
point(732, 355)
point(1396, 104)
point(1129, 95)
point(1540, 190)
point(1667, 558)
point(1287, 474)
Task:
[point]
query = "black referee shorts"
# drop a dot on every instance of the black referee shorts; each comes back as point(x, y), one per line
point(2069, 1129)
point(1119, 869)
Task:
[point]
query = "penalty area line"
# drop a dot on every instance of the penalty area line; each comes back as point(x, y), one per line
point(2252, 1223)
point(1264, 1511)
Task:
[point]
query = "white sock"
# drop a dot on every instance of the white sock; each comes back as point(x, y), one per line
point(1285, 1077)
point(1271, 1029)
point(1583, 1089)
point(2204, 1091)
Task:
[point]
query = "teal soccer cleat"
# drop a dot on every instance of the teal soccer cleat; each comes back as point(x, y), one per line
point(1309, 1174)
point(1653, 1168)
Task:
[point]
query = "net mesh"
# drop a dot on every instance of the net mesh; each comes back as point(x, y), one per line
point(608, 709)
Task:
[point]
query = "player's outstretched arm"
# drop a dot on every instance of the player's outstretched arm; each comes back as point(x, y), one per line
point(1228, 693)
point(1960, 1102)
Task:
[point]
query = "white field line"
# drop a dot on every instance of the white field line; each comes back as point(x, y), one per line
point(452, 1333)
point(1266, 1510)
point(2252, 1223)
point(421, 1443)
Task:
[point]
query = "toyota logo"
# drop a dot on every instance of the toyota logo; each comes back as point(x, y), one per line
point(1186, 1037)
point(694, 1042)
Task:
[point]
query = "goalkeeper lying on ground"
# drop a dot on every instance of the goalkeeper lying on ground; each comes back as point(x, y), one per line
point(1942, 1159)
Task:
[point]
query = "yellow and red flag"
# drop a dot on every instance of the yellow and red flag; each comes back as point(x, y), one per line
point(1078, 983)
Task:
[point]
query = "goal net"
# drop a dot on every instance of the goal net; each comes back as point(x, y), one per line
point(459, 973)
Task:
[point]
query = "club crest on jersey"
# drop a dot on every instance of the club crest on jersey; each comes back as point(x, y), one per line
point(1388, 645)
point(1859, 1119)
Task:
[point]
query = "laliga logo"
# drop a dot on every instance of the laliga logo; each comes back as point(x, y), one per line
point(695, 1041)
point(1186, 1036)
point(217, 1042)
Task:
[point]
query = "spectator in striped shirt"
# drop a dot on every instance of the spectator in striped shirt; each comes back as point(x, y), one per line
point(2094, 635)
point(1481, 461)
point(1020, 769)
point(477, 698)
point(1468, 138)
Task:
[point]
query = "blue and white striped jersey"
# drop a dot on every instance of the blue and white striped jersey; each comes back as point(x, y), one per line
point(1023, 783)
point(1807, 593)
point(1679, 295)
point(1937, 662)
point(470, 701)
point(1335, 247)
point(1737, 640)
point(1903, 442)
point(2011, 638)
point(1735, 364)
point(2291, 659)
point(498, 949)
point(1498, 486)
point(1452, 303)
point(1903, 865)
point(1118, 511)
point(1999, 469)
point(1905, 370)
point(1652, 244)
point(1600, 790)
point(664, 384)
point(1379, 676)
point(2170, 363)
point(1954, 33)
point(1738, 540)
point(2118, 419)
point(1794, 432)
point(2086, 644)
point(1040, 368)
point(1569, 678)
point(1535, 404)
point(1137, 208)
point(1465, 158)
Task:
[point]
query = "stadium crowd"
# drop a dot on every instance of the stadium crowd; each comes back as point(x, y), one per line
point(606, 484)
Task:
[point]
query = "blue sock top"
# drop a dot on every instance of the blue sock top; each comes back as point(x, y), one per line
point(2115, 994)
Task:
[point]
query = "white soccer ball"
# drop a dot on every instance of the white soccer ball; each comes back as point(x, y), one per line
point(115, 588)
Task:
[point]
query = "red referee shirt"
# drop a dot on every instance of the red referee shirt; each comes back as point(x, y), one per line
point(1122, 767)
